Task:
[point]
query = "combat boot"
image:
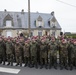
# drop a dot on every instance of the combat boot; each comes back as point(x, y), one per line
point(46, 66)
point(66, 67)
point(71, 67)
point(4, 63)
point(49, 66)
point(36, 66)
point(17, 64)
point(11, 63)
point(8, 63)
point(25, 65)
point(32, 65)
point(61, 67)
point(0, 61)
point(41, 66)
point(55, 67)
point(28, 65)
point(20, 64)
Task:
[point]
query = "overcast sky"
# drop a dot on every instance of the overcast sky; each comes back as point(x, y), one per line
point(65, 14)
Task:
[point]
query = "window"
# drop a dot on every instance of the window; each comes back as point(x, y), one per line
point(53, 32)
point(8, 23)
point(31, 33)
point(53, 24)
point(39, 23)
point(9, 33)
point(39, 33)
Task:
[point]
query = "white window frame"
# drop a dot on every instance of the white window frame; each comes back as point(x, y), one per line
point(53, 32)
point(40, 32)
point(32, 33)
point(53, 24)
point(8, 23)
point(39, 23)
point(9, 33)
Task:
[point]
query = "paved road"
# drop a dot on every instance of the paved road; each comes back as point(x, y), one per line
point(33, 71)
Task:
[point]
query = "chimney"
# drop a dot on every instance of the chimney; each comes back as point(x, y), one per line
point(5, 10)
point(22, 12)
point(52, 13)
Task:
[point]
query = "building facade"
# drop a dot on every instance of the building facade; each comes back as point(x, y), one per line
point(14, 23)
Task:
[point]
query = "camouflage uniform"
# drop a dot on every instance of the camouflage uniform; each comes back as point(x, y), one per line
point(38, 50)
point(74, 54)
point(9, 52)
point(43, 54)
point(13, 44)
point(64, 55)
point(22, 44)
point(2, 51)
point(18, 54)
point(33, 52)
point(52, 54)
point(70, 55)
point(26, 54)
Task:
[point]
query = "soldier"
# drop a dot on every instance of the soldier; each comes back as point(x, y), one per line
point(13, 47)
point(9, 52)
point(74, 53)
point(22, 43)
point(38, 49)
point(33, 52)
point(52, 53)
point(26, 51)
point(64, 54)
point(2, 51)
point(58, 42)
point(70, 54)
point(43, 54)
point(18, 53)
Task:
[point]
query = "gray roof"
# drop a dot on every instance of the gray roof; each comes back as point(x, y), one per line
point(20, 20)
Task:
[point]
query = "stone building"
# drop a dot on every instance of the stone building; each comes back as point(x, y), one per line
point(14, 23)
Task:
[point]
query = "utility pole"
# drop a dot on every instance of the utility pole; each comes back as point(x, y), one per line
point(29, 27)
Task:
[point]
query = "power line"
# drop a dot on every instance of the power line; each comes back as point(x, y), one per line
point(66, 3)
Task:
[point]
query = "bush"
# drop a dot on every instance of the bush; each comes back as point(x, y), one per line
point(71, 35)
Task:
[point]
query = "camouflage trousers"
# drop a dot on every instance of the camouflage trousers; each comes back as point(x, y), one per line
point(10, 58)
point(52, 61)
point(33, 60)
point(18, 59)
point(27, 60)
point(71, 61)
point(74, 61)
point(52, 58)
point(2, 58)
point(63, 61)
point(43, 59)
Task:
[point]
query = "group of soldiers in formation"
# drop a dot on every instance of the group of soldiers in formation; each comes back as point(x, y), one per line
point(39, 52)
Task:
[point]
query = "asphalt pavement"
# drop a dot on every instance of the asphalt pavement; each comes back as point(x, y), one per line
point(11, 70)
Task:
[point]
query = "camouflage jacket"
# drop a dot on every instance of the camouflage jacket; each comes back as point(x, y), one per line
point(26, 50)
point(33, 49)
point(9, 48)
point(2, 47)
point(53, 49)
point(64, 50)
point(18, 49)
